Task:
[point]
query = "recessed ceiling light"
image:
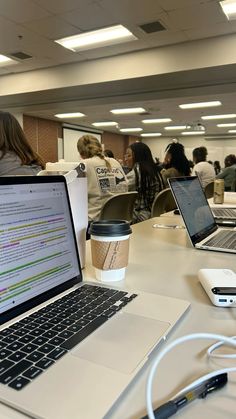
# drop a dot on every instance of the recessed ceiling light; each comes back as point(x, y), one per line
point(233, 131)
point(131, 129)
point(226, 116)
point(233, 124)
point(105, 124)
point(192, 132)
point(127, 110)
point(156, 121)
point(229, 8)
point(6, 60)
point(69, 115)
point(95, 39)
point(151, 134)
point(175, 127)
point(200, 104)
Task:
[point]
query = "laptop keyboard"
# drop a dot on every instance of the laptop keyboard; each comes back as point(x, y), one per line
point(225, 239)
point(30, 346)
point(224, 213)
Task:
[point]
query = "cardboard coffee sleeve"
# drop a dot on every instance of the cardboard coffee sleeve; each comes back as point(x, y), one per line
point(110, 255)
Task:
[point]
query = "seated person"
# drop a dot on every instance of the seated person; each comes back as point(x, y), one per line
point(16, 155)
point(217, 167)
point(175, 163)
point(229, 173)
point(204, 170)
point(144, 178)
point(104, 174)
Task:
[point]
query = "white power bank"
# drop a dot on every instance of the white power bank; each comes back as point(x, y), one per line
point(220, 286)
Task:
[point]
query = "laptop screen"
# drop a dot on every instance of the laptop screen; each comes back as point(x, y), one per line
point(38, 248)
point(193, 206)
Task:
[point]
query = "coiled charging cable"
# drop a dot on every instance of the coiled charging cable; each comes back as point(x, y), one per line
point(221, 340)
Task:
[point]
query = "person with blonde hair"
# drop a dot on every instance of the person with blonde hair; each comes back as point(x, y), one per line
point(104, 174)
point(16, 154)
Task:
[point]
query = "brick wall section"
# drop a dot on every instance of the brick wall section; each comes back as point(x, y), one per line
point(48, 139)
point(117, 143)
point(43, 136)
point(30, 127)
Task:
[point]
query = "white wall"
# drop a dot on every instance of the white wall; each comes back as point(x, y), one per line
point(217, 149)
point(70, 139)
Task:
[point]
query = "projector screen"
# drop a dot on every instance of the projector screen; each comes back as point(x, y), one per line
point(70, 138)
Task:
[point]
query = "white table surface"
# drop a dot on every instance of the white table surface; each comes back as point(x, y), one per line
point(162, 261)
point(229, 201)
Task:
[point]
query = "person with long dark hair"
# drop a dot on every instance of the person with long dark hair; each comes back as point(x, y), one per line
point(217, 167)
point(175, 162)
point(16, 154)
point(144, 177)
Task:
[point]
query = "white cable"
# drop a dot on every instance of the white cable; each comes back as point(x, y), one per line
point(218, 345)
point(194, 336)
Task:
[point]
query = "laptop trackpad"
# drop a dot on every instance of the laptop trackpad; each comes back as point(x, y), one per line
point(122, 342)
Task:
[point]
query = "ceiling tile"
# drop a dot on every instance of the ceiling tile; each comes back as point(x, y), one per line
point(26, 12)
point(210, 31)
point(174, 4)
point(197, 16)
point(168, 36)
point(30, 43)
point(132, 10)
point(52, 27)
point(9, 36)
point(90, 17)
point(61, 6)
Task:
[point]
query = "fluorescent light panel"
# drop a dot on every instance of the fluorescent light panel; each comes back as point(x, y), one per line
point(226, 116)
point(232, 131)
point(95, 39)
point(127, 111)
point(229, 8)
point(69, 115)
point(192, 132)
point(156, 121)
point(200, 104)
point(175, 127)
point(6, 61)
point(151, 134)
point(131, 129)
point(105, 124)
point(226, 125)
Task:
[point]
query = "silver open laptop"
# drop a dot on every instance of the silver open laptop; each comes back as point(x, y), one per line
point(198, 218)
point(68, 349)
point(224, 216)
